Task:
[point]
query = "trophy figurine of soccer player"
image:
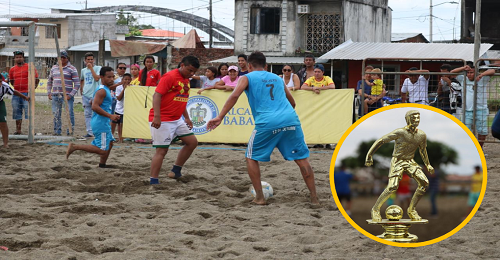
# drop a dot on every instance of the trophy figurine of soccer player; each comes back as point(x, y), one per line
point(407, 140)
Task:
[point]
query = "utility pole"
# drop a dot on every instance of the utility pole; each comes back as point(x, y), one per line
point(430, 23)
point(477, 30)
point(210, 41)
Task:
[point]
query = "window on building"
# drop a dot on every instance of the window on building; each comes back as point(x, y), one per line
point(265, 21)
point(49, 31)
point(323, 32)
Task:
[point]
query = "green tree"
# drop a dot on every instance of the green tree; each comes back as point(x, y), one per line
point(439, 154)
point(133, 26)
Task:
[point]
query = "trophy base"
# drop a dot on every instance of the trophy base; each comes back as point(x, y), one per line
point(397, 230)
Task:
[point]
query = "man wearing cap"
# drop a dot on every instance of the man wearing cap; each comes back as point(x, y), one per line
point(54, 90)
point(228, 82)
point(19, 79)
point(89, 80)
point(318, 81)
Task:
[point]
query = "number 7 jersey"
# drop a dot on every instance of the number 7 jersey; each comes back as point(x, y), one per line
point(267, 98)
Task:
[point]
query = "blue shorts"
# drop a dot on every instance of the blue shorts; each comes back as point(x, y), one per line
point(289, 140)
point(481, 121)
point(102, 140)
point(18, 105)
point(473, 197)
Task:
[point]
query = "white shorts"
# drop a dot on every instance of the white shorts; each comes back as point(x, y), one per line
point(163, 136)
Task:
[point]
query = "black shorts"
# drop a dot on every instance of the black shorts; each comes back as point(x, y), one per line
point(120, 121)
point(344, 196)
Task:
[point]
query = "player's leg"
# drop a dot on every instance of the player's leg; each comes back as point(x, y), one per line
point(157, 162)
point(392, 186)
point(423, 184)
point(182, 131)
point(84, 147)
point(308, 176)
point(162, 137)
point(254, 174)
point(190, 143)
point(291, 144)
point(5, 134)
point(3, 124)
point(104, 157)
point(259, 149)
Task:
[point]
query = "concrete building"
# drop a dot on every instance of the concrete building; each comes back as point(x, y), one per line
point(490, 22)
point(289, 28)
point(73, 28)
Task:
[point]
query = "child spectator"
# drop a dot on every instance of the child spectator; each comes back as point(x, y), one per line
point(119, 109)
point(377, 90)
point(208, 81)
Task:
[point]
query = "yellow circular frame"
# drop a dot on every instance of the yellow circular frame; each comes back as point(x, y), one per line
point(418, 244)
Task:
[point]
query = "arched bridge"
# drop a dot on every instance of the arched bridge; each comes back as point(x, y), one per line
point(193, 20)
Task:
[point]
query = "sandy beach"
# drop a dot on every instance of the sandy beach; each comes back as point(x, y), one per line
point(53, 208)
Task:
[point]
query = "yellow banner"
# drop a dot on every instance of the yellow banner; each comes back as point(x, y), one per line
point(42, 86)
point(324, 117)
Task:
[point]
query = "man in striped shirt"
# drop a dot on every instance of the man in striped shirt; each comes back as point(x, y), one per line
point(54, 91)
point(5, 89)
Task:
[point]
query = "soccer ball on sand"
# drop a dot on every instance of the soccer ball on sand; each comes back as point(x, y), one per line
point(266, 189)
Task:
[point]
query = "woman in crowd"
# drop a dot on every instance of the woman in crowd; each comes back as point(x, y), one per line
point(222, 70)
point(228, 82)
point(134, 71)
point(148, 76)
point(292, 81)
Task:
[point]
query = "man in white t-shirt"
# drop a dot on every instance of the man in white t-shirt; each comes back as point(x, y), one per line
point(416, 86)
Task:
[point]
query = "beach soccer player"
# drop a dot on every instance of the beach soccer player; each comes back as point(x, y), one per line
point(165, 118)
point(100, 123)
point(276, 124)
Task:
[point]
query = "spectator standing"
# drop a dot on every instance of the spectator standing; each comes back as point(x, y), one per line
point(134, 72)
point(308, 70)
point(89, 80)
point(119, 109)
point(475, 189)
point(149, 76)
point(55, 91)
point(242, 62)
point(19, 79)
point(342, 179)
point(416, 87)
point(481, 108)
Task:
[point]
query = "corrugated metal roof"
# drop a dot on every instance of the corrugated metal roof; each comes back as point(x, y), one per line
point(43, 53)
point(91, 46)
point(271, 60)
point(492, 54)
point(50, 15)
point(396, 37)
point(361, 50)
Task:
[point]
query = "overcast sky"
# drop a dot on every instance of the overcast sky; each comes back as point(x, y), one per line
point(408, 15)
point(436, 126)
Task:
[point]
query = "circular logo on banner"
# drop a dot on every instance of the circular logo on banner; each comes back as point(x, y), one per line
point(201, 109)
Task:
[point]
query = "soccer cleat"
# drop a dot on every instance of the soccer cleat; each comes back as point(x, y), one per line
point(376, 215)
point(413, 215)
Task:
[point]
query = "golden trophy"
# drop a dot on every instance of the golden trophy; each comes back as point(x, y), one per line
point(407, 139)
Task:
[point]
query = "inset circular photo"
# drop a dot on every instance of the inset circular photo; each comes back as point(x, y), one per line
point(408, 175)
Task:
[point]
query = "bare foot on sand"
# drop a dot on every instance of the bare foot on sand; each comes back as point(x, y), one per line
point(70, 150)
point(259, 202)
point(6, 146)
point(315, 200)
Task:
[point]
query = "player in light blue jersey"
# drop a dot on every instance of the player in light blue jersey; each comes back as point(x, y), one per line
point(101, 127)
point(276, 124)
